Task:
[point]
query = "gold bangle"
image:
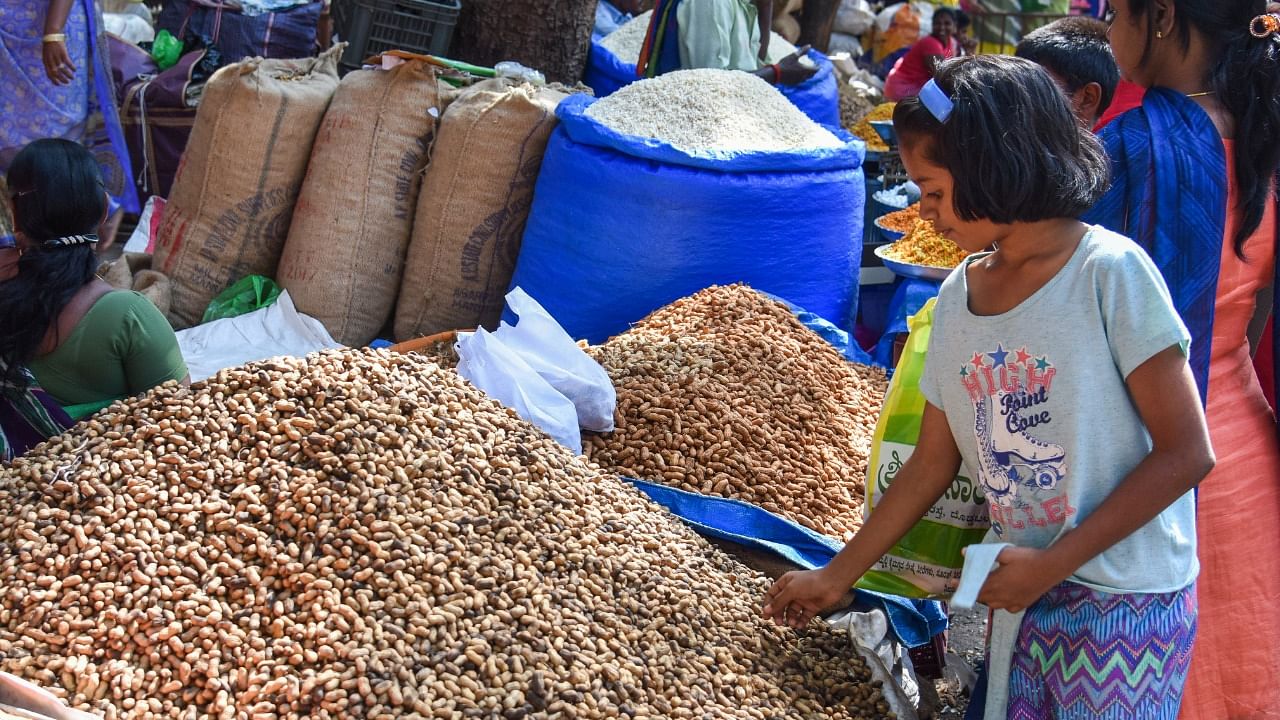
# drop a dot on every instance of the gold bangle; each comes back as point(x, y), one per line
point(54, 37)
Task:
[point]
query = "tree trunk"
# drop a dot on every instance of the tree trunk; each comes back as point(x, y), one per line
point(816, 21)
point(553, 36)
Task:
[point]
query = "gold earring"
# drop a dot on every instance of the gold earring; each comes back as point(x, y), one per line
point(1159, 34)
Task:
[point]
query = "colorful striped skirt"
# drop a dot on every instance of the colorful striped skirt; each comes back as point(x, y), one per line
point(1088, 655)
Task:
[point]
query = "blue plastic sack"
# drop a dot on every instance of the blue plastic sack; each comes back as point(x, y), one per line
point(818, 97)
point(914, 622)
point(607, 73)
point(621, 226)
point(842, 341)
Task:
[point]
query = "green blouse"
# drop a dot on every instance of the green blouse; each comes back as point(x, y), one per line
point(121, 347)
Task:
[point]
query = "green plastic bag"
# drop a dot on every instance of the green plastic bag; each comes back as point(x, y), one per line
point(928, 556)
point(251, 293)
point(166, 50)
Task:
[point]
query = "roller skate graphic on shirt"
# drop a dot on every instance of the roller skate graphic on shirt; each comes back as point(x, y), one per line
point(1009, 394)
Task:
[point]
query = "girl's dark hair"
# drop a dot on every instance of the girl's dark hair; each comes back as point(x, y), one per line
point(1012, 143)
point(57, 191)
point(1246, 80)
point(946, 12)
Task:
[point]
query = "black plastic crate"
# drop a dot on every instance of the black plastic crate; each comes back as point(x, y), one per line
point(374, 26)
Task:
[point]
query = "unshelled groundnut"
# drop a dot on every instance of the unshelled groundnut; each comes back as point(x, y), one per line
point(725, 393)
point(365, 535)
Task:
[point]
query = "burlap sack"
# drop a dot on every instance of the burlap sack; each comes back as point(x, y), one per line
point(132, 271)
point(473, 207)
point(345, 254)
point(229, 212)
point(118, 273)
point(155, 287)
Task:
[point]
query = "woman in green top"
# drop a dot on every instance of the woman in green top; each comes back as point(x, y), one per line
point(86, 343)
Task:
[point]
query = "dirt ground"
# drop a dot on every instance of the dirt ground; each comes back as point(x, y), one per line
point(966, 638)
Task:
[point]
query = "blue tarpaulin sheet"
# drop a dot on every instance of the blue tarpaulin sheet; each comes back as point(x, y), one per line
point(910, 295)
point(842, 341)
point(914, 622)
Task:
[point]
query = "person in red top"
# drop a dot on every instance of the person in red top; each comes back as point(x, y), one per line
point(916, 68)
point(1128, 96)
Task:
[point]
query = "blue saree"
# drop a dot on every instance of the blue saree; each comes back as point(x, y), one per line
point(32, 107)
point(1169, 193)
point(661, 51)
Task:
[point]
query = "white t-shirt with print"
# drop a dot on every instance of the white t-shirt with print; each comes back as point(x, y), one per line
point(1037, 403)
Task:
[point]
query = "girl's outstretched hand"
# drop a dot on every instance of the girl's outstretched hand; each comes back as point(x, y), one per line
point(796, 597)
point(1023, 576)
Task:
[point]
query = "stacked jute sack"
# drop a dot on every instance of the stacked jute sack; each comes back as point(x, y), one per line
point(229, 212)
point(443, 242)
point(391, 193)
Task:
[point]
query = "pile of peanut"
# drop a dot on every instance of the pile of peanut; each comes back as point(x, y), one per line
point(725, 393)
point(365, 535)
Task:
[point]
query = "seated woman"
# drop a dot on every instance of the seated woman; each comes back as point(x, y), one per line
point(916, 68)
point(86, 343)
point(28, 416)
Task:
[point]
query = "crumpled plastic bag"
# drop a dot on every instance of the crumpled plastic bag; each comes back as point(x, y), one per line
point(246, 295)
point(503, 375)
point(887, 660)
point(552, 353)
point(273, 331)
point(166, 50)
point(854, 17)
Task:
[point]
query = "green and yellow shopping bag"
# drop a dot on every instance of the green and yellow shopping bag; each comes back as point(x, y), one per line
point(928, 556)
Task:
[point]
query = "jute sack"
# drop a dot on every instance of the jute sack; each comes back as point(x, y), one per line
point(473, 207)
point(132, 271)
point(229, 212)
point(345, 254)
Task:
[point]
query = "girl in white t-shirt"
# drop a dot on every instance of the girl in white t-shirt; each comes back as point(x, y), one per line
point(1058, 373)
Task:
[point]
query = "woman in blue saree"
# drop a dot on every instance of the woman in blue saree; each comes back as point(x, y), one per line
point(55, 82)
point(1194, 182)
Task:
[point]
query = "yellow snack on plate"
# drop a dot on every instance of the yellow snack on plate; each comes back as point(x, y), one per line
point(924, 246)
point(863, 130)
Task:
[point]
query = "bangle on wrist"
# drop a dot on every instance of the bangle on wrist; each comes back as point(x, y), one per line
point(777, 74)
point(54, 37)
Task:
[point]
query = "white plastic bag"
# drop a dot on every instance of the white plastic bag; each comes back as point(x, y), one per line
point(143, 239)
point(854, 17)
point(501, 373)
point(844, 43)
point(552, 353)
point(268, 332)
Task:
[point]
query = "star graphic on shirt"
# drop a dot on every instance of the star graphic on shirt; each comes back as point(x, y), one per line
point(1042, 364)
point(998, 357)
point(1024, 357)
point(964, 372)
point(978, 360)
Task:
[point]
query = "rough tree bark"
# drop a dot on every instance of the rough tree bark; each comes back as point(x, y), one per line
point(816, 21)
point(549, 35)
